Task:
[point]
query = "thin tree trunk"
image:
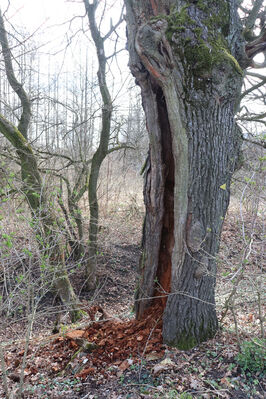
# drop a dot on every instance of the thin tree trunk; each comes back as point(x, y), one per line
point(102, 150)
point(33, 188)
point(43, 220)
point(184, 57)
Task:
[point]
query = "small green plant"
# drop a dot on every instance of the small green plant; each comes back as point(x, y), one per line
point(121, 380)
point(173, 394)
point(185, 395)
point(231, 366)
point(252, 356)
point(144, 391)
point(8, 239)
point(63, 329)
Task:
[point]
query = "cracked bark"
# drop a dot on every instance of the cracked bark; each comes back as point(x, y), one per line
point(194, 147)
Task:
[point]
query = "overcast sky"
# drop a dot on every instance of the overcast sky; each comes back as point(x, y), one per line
point(36, 13)
point(49, 21)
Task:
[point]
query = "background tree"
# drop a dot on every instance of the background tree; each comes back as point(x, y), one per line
point(102, 150)
point(62, 136)
point(189, 59)
point(33, 186)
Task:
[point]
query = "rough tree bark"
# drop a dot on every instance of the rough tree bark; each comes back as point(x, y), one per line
point(187, 57)
point(33, 187)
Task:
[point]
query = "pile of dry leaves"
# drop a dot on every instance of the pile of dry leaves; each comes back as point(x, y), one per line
point(97, 347)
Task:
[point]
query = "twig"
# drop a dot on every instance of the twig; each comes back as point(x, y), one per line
point(28, 337)
point(216, 391)
point(236, 325)
point(3, 367)
point(261, 318)
point(257, 344)
point(261, 143)
point(145, 348)
point(229, 301)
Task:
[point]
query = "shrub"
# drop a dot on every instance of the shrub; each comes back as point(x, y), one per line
point(252, 356)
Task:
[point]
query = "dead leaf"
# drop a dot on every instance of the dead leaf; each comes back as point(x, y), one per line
point(73, 344)
point(154, 356)
point(226, 382)
point(124, 365)
point(83, 374)
point(54, 367)
point(165, 364)
point(250, 317)
point(228, 373)
point(195, 384)
point(33, 370)
point(75, 334)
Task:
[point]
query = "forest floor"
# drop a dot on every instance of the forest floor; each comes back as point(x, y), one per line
point(111, 355)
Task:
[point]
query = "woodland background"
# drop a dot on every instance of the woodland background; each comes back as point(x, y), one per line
point(43, 350)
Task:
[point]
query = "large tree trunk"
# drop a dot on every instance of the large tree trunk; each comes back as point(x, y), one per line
point(185, 56)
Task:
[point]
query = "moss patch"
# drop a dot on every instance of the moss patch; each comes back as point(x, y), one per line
point(201, 42)
point(204, 57)
point(232, 60)
point(177, 21)
point(194, 335)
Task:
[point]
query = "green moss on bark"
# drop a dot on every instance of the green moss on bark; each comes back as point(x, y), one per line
point(177, 21)
point(190, 337)
point(204, 57)
point(202, 47)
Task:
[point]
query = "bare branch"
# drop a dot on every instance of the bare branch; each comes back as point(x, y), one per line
point(252, 88)
point(120, 147)
point(253, 14)
point(56, 154)
point(261, 143)
point(257, 46)
point(114, 27)
point(255, 75)
point(16, 86)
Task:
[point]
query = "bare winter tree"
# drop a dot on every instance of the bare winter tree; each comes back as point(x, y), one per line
point(189, 58)
point(43, 218)
point(102, 150)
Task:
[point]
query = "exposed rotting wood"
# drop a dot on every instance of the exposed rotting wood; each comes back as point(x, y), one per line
point(183, 60)
point(164, 269)
point(154, 5)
